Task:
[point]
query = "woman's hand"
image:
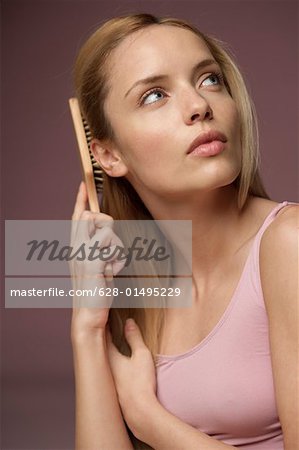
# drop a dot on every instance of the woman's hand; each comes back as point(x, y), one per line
point(149, 421)
point(90, 313)
point(134, 377)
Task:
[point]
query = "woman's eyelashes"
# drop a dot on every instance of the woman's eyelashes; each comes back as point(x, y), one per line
point(218, 76)
point(152, 96)
point(156, 94)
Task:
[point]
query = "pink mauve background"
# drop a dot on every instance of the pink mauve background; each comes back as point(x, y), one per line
point(40, 170)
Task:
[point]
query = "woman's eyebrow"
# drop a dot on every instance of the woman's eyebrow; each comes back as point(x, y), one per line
point(155, 78)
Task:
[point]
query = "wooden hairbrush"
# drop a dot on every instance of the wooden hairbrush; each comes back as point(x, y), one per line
point(92, 172)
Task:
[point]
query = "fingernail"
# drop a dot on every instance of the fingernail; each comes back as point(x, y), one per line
point(130, 324)
point(108, 274)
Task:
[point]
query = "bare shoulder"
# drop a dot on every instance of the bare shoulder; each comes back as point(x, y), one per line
point(289, 215)
point(279, 255)
point(256, 211)
point(283, 230)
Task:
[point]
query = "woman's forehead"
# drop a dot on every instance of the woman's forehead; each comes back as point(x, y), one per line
point(157, 46)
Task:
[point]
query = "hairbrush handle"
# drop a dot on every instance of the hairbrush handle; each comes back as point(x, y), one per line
point(84, 153)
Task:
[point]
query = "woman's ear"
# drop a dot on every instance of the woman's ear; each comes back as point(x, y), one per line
point(109, 158)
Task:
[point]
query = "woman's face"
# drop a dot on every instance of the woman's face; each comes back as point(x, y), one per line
point(160, 99)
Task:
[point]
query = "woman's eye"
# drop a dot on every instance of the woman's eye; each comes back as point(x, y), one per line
point(216, 78)
point(152, 97)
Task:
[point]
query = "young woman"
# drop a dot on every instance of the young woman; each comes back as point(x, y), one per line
point(175, 134)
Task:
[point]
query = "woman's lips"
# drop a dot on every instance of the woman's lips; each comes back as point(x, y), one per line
point(208, 143)
point(208, 149)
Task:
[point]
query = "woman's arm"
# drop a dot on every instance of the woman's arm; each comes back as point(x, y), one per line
point(150, 422)
point(99, 422)
point(162, 431)
point(279, 278)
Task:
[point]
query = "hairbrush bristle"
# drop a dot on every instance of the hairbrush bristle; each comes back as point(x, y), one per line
point(97, 170)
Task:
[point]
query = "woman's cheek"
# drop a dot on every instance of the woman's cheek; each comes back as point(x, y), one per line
point(143, 147)
point(148, 137)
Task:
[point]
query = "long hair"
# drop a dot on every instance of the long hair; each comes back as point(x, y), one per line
point(120, 200)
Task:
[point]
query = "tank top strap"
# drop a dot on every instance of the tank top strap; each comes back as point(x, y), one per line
point(270, 217)
point(254, 260)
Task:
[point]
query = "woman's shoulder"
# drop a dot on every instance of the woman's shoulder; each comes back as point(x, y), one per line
point(281, 235)
point(284, 228)
point(254, 214)
point(261, 208)
point(287, 216)
point(257, 211)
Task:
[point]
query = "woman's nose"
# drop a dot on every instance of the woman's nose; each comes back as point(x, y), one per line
point(196, 108)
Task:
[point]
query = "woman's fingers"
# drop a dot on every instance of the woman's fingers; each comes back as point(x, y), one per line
point(108, 272)
point(93, 231)
point(95, 237)
point(112, 248)
point(80, 205)
point(90, 232)
point(81, 201)
point(133, 335)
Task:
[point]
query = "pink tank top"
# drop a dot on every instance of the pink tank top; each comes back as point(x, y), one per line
point(224, 385)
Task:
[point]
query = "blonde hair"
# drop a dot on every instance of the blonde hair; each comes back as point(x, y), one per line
point(120, 200)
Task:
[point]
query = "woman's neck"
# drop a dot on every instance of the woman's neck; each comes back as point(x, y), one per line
point(217, 225)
